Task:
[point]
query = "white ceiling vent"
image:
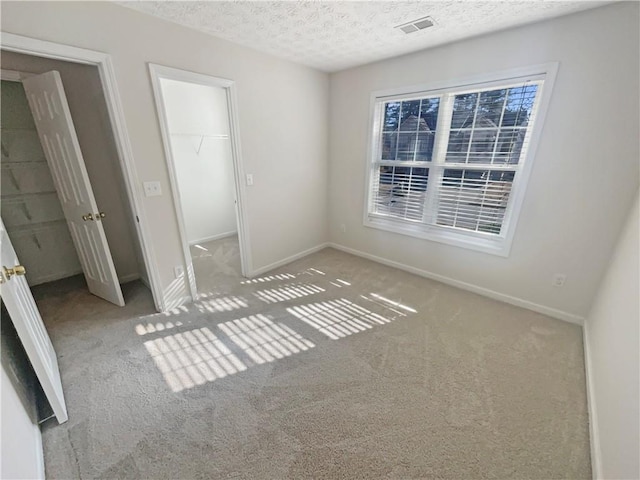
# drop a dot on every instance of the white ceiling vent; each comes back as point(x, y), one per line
point(416, 25)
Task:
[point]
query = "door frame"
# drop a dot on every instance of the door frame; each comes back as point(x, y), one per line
point(57, 51)
point(15, 76)
point(159, 72)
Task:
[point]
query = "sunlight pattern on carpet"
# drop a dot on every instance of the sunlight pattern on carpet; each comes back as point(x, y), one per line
point(337, 318)
point(288, 292)
point(192, 358)
point(263, 340)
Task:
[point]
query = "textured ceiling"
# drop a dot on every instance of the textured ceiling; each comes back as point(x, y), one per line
point(334, 35)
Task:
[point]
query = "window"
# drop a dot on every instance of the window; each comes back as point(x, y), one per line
point(450, 164)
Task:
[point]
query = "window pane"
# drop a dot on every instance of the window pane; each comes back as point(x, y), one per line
point(482, 144)
point(509, 147)
point(491, 105)
point(474, 200)
point(409, 130)
point(389, 145)
point(429, 112)
point(427, 128)
point(464, 107)
point(410, 115)
point(391, 116)
point(406, 146)
point(400, 192)
point(458, 146)
point(519, 105)
point(424, 146)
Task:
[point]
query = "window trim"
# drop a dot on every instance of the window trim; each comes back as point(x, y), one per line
point(488, 243)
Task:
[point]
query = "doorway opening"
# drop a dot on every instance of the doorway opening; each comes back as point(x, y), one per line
point(114, 123)
point(62, 193)
point(200, 135)
point(66, 179)
point(31, 209)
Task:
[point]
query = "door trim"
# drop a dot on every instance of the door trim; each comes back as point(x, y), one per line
point(158, 72)
point(13, 75)
point(41, 48)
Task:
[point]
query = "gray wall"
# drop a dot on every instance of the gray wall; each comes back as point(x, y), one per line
point(89, 111)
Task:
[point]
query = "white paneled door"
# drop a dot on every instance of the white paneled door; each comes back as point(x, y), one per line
point(57, 134)
point(26, 318)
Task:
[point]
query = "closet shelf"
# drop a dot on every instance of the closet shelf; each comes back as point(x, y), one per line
point(19, 196)
point(25, 163)
point(36, 227)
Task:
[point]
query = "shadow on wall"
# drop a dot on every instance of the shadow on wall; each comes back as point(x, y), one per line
point(187, 357)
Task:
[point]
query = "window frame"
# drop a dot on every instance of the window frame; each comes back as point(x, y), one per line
point(496, 244)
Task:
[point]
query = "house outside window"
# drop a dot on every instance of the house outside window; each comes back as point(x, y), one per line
point(450, 162)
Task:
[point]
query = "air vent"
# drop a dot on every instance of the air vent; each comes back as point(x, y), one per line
point(416, 25)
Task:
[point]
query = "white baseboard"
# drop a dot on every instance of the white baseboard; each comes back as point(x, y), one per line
point(52, 277)
point(214, 237)
point(128, 278)
point(60, 275)
point(284, 261)
point(594, 437)
point(518, 302)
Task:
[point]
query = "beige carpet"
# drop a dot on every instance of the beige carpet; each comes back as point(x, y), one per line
point(216, 262)
point(331, 367)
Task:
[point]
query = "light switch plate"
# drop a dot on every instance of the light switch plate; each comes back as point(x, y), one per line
point(152, 189)
point(249, 179)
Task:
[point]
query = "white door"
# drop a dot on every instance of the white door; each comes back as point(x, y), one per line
point(53, 121)
point(28, 323)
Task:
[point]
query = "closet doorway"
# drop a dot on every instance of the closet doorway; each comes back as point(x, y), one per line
point(197, 120)
point(55, 180)
point(65, 226)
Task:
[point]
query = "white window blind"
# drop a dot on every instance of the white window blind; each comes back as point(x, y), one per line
point(450, 159)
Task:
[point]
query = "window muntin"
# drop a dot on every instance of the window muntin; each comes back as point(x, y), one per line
point(450, 160)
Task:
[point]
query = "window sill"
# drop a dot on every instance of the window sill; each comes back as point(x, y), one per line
point(492, 245)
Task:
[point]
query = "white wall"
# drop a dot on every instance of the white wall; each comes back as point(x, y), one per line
point(612, 332)
point(20, 438)
point(584, 175)
point(282, 109)
point(198, 120)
